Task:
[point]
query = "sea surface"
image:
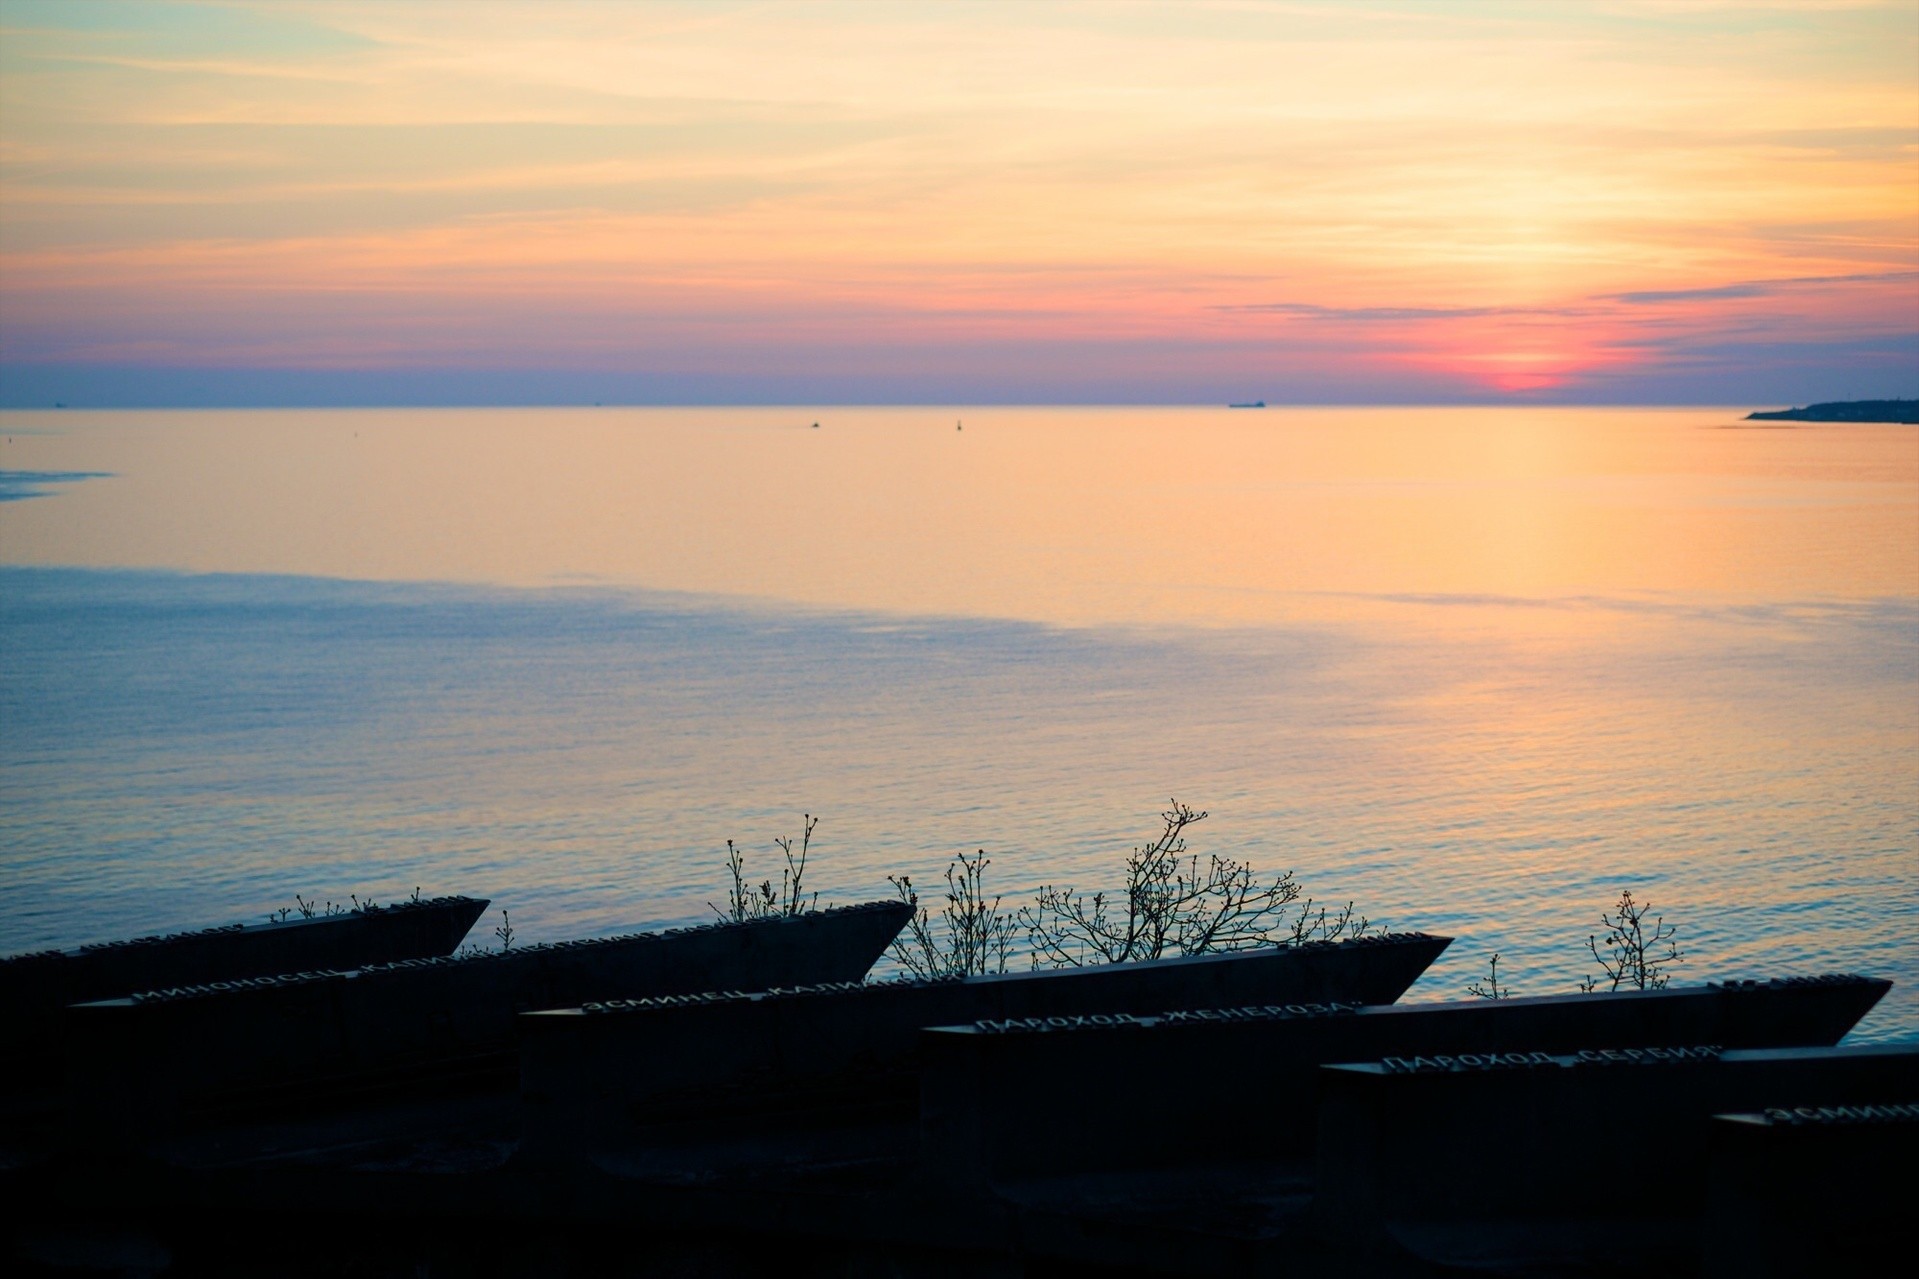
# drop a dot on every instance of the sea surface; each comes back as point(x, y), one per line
point(1475, 670)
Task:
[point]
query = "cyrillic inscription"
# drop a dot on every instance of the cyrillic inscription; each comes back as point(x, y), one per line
point(1076, 1022)
point(1443, 1063)
point(719, 997)
point(1184, 1016)
point(1826, 1116)
point(208, 989)
point(1645, 1056)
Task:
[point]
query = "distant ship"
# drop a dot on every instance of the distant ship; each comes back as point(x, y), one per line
point(1256, 404)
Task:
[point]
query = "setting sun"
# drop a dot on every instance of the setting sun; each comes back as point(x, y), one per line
point(1150, 202)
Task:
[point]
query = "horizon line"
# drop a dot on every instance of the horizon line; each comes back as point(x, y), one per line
point(1504, 402)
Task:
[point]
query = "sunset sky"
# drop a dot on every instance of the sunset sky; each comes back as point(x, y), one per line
point(1652, 202)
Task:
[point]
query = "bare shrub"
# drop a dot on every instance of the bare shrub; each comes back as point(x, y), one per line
point(310, 909)
point(744, 901)
point(1635, 954)
point(1174, 905)
point(1490, 988)
point(1324, 925)
point(973, 939)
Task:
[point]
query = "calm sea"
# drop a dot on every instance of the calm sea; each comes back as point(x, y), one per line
point(1475, 670)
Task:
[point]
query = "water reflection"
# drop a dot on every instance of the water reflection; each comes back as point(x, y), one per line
point(1065, 516)
point(1478, 671)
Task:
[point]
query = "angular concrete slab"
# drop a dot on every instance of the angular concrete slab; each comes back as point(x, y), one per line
point(376, 935)
point(604, 1072)
point(35, 987)
point(1803, 1189)
point(1241, 1082)
point(140, 1060)
point(1558, 1149)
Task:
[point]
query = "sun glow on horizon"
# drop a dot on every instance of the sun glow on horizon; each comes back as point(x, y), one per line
point(1383, 200)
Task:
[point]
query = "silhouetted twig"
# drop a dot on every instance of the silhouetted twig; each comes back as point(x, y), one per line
point(973, 939)
point(1174, 905)
point(1633, 954)
point(1490, 988)
point(744, 901)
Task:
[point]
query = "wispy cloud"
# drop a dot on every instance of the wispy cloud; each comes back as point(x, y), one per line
point(1755, 288)
point(1388, 314)
point(1484, 198)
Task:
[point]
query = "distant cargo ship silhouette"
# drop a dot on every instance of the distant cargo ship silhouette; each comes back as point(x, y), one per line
point(1256, 404)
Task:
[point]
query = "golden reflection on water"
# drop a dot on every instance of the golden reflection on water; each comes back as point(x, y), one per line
point(1067, 516)
point(1546, 653)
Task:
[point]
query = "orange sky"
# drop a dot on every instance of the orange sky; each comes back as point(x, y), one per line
point(1354, 202)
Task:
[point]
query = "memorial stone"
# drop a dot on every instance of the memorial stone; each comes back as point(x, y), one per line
point(270, 1040)
point(991, 1091)
point(594, 1073)
point(1803, 1189)
point(1578, 1144)
point(35, 987)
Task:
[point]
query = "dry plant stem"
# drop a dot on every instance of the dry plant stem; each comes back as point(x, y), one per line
point(1310, 926)
point(310, 909)
point(792, 899)
point(505, 931)
point(746, 901)
point(1171, 905)
point(1490, 988)
point(1636, 955)
point(974, 939)
point(742, 901)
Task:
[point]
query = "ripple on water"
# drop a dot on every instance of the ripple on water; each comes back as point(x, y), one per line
point(183, 750)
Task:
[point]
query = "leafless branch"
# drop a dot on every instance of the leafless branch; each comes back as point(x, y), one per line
point(746, 901)
point(1636, 955)
point(1173, 905)
point(972, 939)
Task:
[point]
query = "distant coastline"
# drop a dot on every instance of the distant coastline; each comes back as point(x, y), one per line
point(1902, 411)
